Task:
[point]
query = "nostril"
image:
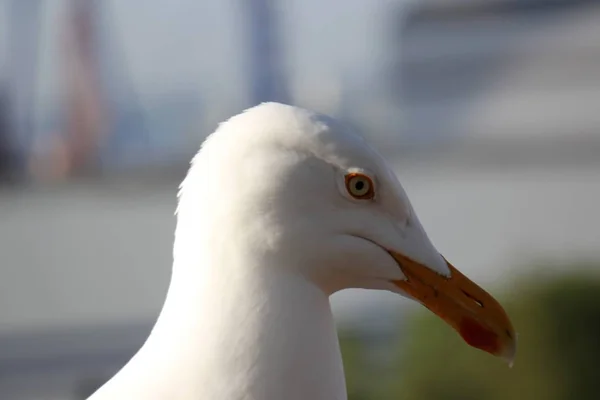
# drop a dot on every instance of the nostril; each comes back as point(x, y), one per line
point(470, 296)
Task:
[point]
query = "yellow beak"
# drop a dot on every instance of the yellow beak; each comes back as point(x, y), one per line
point(470, 310)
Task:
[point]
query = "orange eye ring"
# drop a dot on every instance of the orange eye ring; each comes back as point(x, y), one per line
point(359, 186)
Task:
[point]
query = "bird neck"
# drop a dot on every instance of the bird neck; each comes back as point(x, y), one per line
point(230, 330)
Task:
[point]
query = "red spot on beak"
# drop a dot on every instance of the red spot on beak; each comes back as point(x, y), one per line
point(478, 336)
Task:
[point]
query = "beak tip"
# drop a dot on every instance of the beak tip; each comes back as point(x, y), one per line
point(510, 359)
point(498, 342)
point(510, 352)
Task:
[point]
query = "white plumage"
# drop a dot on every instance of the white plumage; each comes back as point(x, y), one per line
point(269, 226)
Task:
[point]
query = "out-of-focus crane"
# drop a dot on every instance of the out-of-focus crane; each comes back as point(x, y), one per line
point(101, 117)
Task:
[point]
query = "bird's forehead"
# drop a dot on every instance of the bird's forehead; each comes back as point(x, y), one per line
point(273, 125)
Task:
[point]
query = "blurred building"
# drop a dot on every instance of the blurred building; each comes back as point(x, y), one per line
point(498, 76)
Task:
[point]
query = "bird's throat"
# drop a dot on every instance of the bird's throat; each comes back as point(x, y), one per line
point(249, 330)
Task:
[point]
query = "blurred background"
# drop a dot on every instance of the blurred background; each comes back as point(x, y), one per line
point(488, 109)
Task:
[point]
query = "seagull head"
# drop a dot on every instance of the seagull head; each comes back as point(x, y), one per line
point(306, 194)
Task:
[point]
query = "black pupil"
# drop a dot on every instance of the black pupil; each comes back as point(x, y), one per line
point(359, 185)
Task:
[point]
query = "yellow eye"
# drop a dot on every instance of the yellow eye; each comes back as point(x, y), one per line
point(360, 186)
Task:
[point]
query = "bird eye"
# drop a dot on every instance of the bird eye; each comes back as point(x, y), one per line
point(360, 186)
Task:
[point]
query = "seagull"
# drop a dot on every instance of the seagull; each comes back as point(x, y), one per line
point(281, 208)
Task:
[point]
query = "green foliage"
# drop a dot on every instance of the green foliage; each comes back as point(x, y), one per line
point(354, 366)
point(558, 321)
point(367, 375)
